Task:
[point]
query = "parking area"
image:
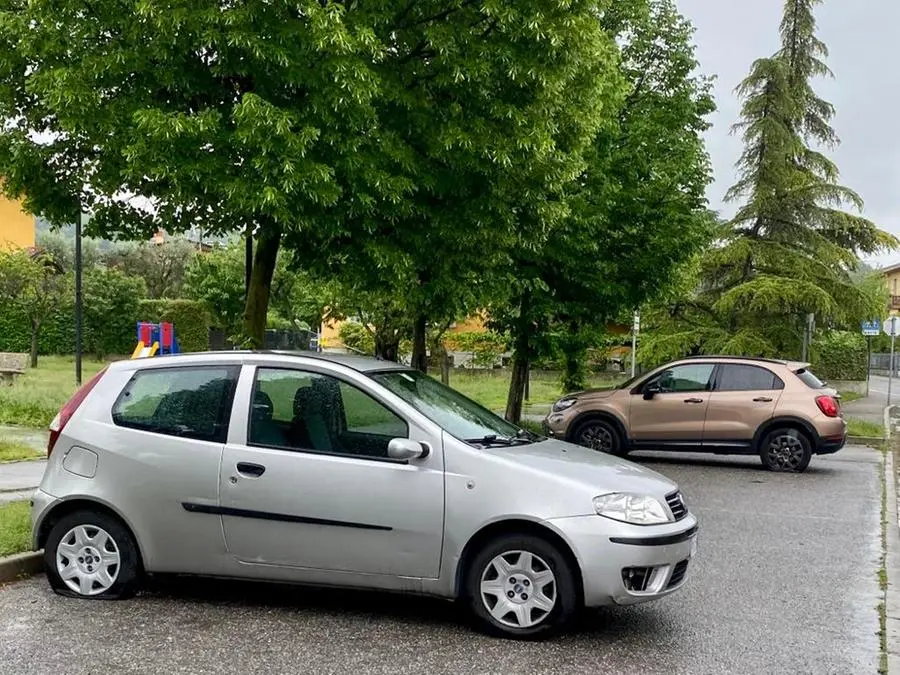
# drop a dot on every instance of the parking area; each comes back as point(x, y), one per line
point(785, 582)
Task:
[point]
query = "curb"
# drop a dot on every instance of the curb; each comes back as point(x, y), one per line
point(21, 565)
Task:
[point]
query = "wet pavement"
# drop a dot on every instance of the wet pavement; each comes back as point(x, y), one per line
point(784, 582)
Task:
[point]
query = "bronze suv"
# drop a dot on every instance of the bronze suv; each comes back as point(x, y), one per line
point(723, 405)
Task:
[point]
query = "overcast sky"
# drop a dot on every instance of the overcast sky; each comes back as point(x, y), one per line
point(864, 40)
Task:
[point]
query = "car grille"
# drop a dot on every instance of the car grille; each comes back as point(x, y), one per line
point(676, 505)
point(677, 574)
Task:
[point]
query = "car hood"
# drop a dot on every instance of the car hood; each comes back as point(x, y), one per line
point(596, 470)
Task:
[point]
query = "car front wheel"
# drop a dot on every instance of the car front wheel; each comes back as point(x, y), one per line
point(91, 555)
point(786, 450)
point(521, 586)
point(602, 436)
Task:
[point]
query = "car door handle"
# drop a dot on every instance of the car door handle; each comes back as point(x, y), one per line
point(250, 469)
point(693, 400)
point(762, 399)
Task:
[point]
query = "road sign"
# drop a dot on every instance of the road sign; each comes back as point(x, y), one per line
point(892, 326)
point(871, 328)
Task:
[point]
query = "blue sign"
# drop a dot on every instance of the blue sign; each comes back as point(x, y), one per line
point(871, 328)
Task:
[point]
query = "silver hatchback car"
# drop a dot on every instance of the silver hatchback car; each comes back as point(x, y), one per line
point(345, 471)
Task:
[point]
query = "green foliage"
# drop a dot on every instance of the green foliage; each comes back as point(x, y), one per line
point(189, 317)
point(216, 279)
point(840, 355)
point(161, 266)
point(15, 527)
point(357, 337)
point(486, 347)
point(111, 310)
point(790, 250)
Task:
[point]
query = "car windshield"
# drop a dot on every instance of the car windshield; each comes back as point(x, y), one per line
point(810, 380)
point(457, 415)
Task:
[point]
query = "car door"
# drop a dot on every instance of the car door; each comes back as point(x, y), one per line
point(676, 413)
point(743, 397)
point(307, 481)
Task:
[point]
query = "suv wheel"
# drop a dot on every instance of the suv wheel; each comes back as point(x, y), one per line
point(91, 555)
point(602, 436)
point(786, 450)
point(521, 586)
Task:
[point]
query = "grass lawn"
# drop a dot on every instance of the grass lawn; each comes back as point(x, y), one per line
point(849, 396)
point(490, 389)
point(35, 397)
point(13, 452)
point(15, 528)
point(858, 427)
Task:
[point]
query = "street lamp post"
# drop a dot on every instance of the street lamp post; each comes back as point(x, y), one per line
point(78, 299)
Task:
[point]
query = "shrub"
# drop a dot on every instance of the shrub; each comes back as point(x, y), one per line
point(840, 355)
point(356, 337)
point(190, 318)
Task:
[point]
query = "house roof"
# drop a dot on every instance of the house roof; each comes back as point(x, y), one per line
point(891, 268)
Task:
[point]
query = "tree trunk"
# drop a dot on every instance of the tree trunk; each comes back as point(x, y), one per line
point(257, 305)
point(387, 347)
point(574, 376)
point(35, 331)
point(517, 386)
point(419, 346)
point(445, 365)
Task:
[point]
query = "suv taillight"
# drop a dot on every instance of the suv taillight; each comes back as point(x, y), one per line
point(828, 405)
point(63, 416)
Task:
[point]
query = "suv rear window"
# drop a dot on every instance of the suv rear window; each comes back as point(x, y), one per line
point(189, 402)
point(810, 380)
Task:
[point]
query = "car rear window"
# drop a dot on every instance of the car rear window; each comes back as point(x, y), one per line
point(809, 379)
point(189, 402)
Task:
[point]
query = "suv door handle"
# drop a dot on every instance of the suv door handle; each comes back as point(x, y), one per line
point(693, 400)
point(250, 469)
point(762, 399)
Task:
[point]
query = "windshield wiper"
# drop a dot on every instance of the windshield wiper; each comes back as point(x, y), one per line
point(493, 439)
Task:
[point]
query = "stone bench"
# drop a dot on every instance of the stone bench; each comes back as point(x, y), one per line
point(11, 364)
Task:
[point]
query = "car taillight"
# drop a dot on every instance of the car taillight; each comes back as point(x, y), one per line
point(63, 416)
point(828, 405)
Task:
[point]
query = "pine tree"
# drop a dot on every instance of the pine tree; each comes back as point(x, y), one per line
point(791, 249)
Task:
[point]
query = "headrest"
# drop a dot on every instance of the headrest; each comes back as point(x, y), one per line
point(262, 405)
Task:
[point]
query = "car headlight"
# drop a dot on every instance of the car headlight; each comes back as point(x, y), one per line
point(630, 508)
point(564, 404)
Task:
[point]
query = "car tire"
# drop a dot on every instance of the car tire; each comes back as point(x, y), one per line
point(600, 435)
point(786, 450)
point(92, 555)
point(504, 574)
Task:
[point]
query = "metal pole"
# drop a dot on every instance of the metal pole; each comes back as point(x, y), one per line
point(634, 332)
point(78, 307)
point(868, 363)
point(891, 370)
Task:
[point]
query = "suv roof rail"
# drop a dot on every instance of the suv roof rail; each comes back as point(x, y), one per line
point(736, 358)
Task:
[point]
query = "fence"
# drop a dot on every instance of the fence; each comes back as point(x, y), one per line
point(289, 340)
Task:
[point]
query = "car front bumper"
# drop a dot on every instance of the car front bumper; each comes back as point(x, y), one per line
point(625, 564)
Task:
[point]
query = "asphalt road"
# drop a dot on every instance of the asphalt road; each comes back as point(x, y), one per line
point(785, 582)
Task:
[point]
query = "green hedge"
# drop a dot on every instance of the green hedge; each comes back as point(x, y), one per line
point(840, 355)
point(190, 318)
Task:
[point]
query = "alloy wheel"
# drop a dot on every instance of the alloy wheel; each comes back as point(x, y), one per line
point(88, 560)
point(518, 589)
point(597, 437)
point(785, 452)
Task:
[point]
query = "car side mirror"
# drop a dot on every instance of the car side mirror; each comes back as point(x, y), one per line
point(405, 449)
point(651, 390)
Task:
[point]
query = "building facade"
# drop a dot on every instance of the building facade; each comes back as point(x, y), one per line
point(17, 228)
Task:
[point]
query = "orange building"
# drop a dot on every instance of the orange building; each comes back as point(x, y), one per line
point(17, 228)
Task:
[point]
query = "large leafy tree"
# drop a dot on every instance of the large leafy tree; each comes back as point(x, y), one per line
point(634, 214)
point(791, 249)
point(307, 122)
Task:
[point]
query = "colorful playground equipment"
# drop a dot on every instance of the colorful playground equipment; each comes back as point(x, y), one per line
point(155, 339)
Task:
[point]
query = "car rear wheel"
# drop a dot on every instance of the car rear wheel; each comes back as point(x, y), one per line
point(787, 450)
point(602, 436)
point(91, 555)
point(521, 586)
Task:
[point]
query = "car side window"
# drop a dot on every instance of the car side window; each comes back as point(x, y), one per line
point(684, 378)
point(189, 402)
point(305, 411)
point(736, 377)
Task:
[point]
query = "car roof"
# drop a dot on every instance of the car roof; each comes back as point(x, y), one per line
point(362, 364)
point(794, 366)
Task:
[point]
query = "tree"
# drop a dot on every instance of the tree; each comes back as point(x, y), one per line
point(111, 303)
point(34, 285)
point(790, 250)
point(161, 266)
point(217, 280)
point(302, 121)
point(636, 212)
point(61, 249)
